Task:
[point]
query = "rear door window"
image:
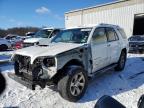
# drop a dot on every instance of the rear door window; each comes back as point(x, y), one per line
point(111, 34)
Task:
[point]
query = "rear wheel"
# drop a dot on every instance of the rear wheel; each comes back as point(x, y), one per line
point(3, 47)
point(73, 86)
point(121, 63)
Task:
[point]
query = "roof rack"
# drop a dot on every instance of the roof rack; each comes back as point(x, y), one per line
point(109, 24)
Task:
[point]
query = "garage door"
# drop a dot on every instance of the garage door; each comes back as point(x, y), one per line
point(138, 24)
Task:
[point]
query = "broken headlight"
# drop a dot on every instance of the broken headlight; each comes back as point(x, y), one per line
point(49, 62)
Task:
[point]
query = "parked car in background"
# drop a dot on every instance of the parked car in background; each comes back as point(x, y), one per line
point(13, 38)
point(42, 37)
point(136, 43)
point(30, 34)
point(19, 44)
point(72, 56)
point(4, 44)
point(16, 41)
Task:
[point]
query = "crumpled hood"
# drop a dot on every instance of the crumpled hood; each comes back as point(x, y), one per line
point(32, 40)
point(50, 50)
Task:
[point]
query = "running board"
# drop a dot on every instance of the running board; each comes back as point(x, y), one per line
point(101, 71)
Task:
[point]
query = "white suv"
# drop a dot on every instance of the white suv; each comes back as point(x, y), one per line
point(42, 37)
point(73, 56)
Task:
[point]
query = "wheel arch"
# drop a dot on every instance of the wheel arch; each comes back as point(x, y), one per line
point(4, 45)
point(125, 50)
point(63, 71)
point(74, 62)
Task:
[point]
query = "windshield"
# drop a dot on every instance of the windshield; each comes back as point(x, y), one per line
point(43, 33)
point(10, 37)
point(136, 38)
point(79, 35)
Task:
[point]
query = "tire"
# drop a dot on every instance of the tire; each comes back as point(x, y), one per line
point(121, 63)
point(3, 47)
point(141, 102)
point(2, 84)
point(73, 86)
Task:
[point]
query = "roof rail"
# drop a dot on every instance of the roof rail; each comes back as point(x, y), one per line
point(108, 24)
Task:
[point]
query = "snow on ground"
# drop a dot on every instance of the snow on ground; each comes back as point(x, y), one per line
point(126, 86)
point(8, 52)
point(5, 56)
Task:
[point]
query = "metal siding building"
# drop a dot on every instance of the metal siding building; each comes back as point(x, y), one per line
point(123, 13)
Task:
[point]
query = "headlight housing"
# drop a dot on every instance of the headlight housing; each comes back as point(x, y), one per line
point(49, 62)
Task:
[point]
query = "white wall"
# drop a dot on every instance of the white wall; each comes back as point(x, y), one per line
point(123, 17)
point(73, 21)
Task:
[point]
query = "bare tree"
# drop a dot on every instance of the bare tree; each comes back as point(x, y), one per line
point(17, 30)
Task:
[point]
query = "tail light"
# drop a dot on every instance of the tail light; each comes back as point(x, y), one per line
point(19, 45)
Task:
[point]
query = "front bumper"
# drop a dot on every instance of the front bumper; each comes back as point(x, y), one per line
point(136, 46)
point(29, 83)
point(31, 75)
point(25, 82)
point(137, 49)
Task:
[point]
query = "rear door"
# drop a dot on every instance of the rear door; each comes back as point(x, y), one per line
point(99, 49)
point(113, 45)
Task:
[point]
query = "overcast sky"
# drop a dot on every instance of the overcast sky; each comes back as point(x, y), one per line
point(16, 13)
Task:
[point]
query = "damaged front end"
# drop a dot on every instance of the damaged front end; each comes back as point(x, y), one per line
point(39, 73)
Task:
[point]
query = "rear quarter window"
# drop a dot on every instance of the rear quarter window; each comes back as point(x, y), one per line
point(123, 34)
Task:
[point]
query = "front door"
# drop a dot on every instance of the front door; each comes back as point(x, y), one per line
point(99, 49)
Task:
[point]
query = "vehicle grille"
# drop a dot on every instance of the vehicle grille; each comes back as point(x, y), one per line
point(136, 44)
point(24, 66)
point(131, 45)
point(141, 45)
point(28, 44)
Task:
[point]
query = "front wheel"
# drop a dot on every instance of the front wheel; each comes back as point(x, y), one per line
point(73, 86)
point(121, 63)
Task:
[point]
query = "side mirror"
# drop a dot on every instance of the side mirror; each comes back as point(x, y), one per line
point(108, 102)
